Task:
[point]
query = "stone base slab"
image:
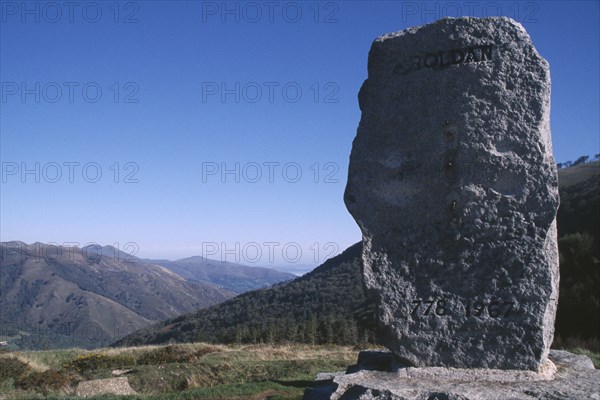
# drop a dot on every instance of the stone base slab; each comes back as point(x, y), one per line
point(378, 376)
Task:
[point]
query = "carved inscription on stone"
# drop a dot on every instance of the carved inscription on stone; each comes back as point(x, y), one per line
point(443, 59)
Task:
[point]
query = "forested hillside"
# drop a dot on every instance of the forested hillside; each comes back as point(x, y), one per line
point(579, 245)
point(328, 305)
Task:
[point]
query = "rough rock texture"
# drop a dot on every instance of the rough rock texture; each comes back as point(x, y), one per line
point(118, 386)
point(566, 376)
point(453, 184)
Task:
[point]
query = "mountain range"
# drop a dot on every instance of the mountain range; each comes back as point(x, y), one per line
point(327, 305)
point(58, 296)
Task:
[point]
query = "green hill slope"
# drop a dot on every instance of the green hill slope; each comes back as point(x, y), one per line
point(327, 305)
point(579, 245)
point(579, 199)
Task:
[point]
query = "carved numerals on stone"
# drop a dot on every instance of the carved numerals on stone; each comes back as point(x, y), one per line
point(427, 307)
point(496, 309)
point(492, 309)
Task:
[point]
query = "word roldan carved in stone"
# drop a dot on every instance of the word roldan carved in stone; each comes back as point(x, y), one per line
point(443, 59)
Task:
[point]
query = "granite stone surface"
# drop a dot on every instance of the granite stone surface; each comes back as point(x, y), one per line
point(454, 187)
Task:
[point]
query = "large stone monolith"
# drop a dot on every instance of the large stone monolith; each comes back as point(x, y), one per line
point(453, 184)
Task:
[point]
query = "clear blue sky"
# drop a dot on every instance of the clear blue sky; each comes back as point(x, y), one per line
point(191, 88)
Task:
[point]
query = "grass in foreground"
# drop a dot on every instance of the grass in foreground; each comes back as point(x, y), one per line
point(182, 371)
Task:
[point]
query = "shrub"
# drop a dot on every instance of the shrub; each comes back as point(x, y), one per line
point(89, 362)
point(93, 362)
point(172, 354)
point(12, 368)
point(45, 382)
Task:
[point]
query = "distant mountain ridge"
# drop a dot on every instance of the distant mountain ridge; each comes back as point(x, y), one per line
point(232, 276)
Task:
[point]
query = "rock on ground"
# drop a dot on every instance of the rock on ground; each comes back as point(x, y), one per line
point(118, 386)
